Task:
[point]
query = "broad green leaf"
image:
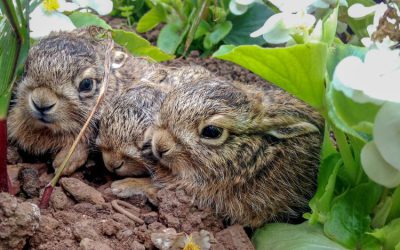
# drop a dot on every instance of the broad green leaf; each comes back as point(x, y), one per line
point(279, 236)
point(389, 235)
point(243, 25)
point(139, 46)
point(299, 69)
point(339, 52)
point(329, 26)
point(151, 19)
point(349, 217)
point(170, 37)
point(81, 19)
point(219, 32)
point(351, 117)
point(370, 243)
point(320, 203)
point(359, 26)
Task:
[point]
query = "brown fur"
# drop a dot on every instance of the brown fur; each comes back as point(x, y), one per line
point(125, 119)
point(263, 169)
point(54, 68)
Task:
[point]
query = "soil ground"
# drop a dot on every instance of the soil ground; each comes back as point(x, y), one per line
point(84, 215)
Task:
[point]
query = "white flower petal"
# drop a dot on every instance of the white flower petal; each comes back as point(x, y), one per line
point(274, 22)
point(387, 133)
point(316, 34)
point(42, 23)
point(377, 168)
point(277, 36)
point(358, 10)
point(237, 9)
point(245, 2)
point(350, 83)
point(341, 27)
point(292, 6)
point(102, 7)
point(66, 6)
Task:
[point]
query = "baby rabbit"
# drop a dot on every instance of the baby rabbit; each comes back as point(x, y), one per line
point(251, 154)
point(125, 119)
point(62, 78)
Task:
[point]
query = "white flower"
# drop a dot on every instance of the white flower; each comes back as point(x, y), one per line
point(239, 7)
point(280, 27)
point(47, 17)
point(102, 7)
point(376, 79)
point(359, 11)
point(325, 4)
point(292, 6)
point(380, 158)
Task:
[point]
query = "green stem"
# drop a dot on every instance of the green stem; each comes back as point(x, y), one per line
point(350, 164)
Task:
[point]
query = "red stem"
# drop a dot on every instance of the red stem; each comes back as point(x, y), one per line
point(4, 180)
point(44, 202)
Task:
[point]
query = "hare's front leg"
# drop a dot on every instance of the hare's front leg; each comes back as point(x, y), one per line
point(78, 158)
point(130, 186)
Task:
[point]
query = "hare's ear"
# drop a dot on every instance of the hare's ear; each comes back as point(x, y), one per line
point(118, 59)
point(293, 130)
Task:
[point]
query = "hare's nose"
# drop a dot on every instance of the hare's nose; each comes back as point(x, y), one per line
point(116, 165)
point(162, 143)
point(43, 108)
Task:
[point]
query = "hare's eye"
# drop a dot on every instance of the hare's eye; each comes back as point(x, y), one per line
point(86, 85)
point(211, 132)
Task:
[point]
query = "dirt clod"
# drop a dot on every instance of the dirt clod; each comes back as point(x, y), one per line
point(81, 191)
point(89, 244)
point(18, 221)
point(234, 237)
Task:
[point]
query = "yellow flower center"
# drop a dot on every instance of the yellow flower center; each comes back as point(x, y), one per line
point(190, 245)
point(51, 5)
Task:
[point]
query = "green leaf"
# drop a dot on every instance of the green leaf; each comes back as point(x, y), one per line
point(395, 210)
point(327, 146)
point(320, 203)
point(243, 25)
point(151, 19)
point(359, 26)
point(81, 19)
point(279, 236)
point(299, 69)
point(341, 51)
point(170, 37)
point(382, 212)
point(389, 235)
point(351, 117)
point(202, 29)
point(139, 46)
point(329, 26)
point(219, 32)
point(349, 217)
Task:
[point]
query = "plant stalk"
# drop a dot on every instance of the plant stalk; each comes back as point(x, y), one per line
point(44, 202)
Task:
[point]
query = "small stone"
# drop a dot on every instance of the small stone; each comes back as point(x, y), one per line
point(59, 200)
point(156, 226)
point(48, 223)
point(150, 217)
point(18, 221)
point(89, 244)
point(137, 246)
point(84, 229)
point(234, 237)
point(172, 221)
point(81, 191)
point(124, 234)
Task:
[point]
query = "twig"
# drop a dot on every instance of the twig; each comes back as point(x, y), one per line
point(117, 205)
point(44, 202)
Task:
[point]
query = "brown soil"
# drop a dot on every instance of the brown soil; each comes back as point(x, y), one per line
point(82, 212)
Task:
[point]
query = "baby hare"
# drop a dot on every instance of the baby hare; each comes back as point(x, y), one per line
point(62, 78)
point(250, 153)
point(121, 137)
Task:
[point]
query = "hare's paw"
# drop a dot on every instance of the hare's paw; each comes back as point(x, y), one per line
point(134, 186)
point(78, 158)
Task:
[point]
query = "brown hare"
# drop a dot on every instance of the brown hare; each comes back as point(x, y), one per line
point(250, 153)
point(62, 78)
